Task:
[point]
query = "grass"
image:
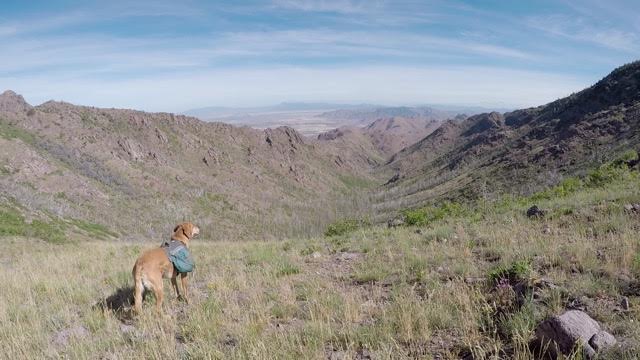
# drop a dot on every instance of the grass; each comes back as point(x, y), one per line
point(10, 132)
point(48, 227)
point(12, 223)
point(390, 293)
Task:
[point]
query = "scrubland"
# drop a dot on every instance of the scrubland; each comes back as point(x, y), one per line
point(456, 281)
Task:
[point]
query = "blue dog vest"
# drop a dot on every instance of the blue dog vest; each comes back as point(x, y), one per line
point(179, 255)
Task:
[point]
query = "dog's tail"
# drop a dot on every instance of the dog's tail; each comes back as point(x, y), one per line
point(138, 288)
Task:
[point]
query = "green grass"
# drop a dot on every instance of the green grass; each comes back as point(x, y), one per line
point(342, 227)
point(93, 229)
point(12, 223)
point(397, 293)
point(13, 132)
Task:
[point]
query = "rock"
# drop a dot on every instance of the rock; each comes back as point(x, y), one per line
point(395, 222)
point(62, 337)
point(547, 230)
point(393, 179)
point(624, 303)
point(633, 208)
point(474, 280)
point(536, 212)
point(348, 256)
point(602, 340)
point(562, 333)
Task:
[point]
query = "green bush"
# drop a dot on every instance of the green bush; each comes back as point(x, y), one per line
point(425, 216)
point(342, 227)
point(625, 157)
point(11, 224)
point(606, 174)
point(517, 271)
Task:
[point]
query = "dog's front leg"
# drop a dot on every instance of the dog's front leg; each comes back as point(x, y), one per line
point(183, 278)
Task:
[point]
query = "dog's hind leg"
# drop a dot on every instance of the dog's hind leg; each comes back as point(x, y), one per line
point(158, 292)
point(138, 290)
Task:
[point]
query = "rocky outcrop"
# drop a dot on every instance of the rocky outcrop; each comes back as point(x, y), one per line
point(13, 103)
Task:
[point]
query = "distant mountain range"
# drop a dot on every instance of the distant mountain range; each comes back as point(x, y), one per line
point(331, 111)
point(214, 112)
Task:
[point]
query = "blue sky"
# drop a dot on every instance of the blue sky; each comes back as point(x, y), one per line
point(176, 55)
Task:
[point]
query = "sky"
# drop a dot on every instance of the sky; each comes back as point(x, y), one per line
point(177, 55)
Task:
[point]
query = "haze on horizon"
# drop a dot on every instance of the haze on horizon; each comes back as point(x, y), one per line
point(165, 56)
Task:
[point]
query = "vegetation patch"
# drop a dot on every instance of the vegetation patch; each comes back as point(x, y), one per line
point(10, 132)
point(517, 271)
point(342, 227)
point(96, 230)
point(427, 215)
point(12, 223)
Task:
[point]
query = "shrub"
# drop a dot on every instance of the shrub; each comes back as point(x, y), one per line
point(286, 268)
point(425, 216)
point(565, 188)
point(11, 223)
point(342, 227)
point(517, 271)
point(415, 217)
point(627, 156)
point(605, 174)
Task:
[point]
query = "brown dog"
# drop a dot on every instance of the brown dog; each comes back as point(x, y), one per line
point(153, 265)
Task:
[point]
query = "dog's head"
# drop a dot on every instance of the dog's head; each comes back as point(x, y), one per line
point(185, 232)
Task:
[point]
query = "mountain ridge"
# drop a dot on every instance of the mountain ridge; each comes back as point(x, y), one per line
point(517, 150)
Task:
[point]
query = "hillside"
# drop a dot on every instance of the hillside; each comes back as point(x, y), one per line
point(520, 151)
point(383, 137)
point(473, 283)
point(120, 169)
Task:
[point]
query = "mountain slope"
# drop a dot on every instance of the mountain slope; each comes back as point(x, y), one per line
point(380, 139)
point(523, 150)
point(138, 173)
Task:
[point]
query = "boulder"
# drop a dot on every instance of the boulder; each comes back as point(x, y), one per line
point(536, 212)
point(563, 334)
point(395, 222)
point(633, 208)
point(393, 179)
point(602, 340)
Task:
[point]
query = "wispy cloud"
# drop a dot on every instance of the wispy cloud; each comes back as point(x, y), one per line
point(338, 6)
point(124, 53)
point(583, 30)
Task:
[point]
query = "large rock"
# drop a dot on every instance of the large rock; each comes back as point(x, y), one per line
point(535, 212)
point(563, 334)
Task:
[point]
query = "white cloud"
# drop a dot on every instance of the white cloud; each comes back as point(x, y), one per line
point(586, 30)
point(103, 54)
point(338, 6)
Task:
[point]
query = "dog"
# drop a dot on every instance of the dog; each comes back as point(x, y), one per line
point(154, 265)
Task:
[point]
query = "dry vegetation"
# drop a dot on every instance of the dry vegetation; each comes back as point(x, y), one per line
point(470, 281)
